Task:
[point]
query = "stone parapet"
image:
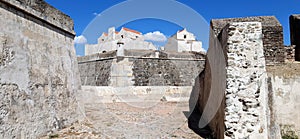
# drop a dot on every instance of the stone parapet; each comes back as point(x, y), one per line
point(274, 51)
point(40, 11)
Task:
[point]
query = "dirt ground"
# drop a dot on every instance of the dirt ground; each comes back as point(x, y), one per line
point(166, 120)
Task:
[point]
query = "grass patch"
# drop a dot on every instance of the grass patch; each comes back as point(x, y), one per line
point(287, 132)
point(53, 136)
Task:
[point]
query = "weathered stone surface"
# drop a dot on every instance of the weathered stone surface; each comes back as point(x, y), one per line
point(290, 53)
point(274, 51)
point(159, 72)
point(95, 57)
point(38, 70)
point(45, 12)
point(140, 68)
point(295, 34)
point(235, 65)
point(283, 87)
point(246, 97)
point(96, 73)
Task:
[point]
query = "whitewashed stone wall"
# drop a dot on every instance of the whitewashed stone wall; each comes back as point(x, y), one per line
point(284, 88)
point(38, 70)
point(128, 94)
point(246, 97)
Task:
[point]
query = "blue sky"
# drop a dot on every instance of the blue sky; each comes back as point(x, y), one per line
point(83, 12)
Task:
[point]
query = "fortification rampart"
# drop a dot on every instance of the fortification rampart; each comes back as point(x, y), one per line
point(260, 91)
point(235, 65)
point(41, 12)
point(38, 69)
point(274, 51)
point(141, 68)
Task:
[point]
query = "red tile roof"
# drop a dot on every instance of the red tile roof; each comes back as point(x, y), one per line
point(133, 31)
point(182, 30)
point(126, 29)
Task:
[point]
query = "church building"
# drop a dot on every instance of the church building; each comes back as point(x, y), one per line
point(183, 41)
point(127, 39)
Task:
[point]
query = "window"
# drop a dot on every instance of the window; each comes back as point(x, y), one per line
point(122, 36)
point(184, 36)
point(103, 40)
point(103, 51)
point(136, 36)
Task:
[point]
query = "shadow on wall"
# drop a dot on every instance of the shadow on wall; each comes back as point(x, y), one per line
point(195, 113)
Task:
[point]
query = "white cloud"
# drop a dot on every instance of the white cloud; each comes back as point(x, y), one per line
point(80, 40)
point(156, 36)
point(96, 14)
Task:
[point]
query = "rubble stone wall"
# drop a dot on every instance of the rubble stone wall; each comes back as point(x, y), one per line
point(274, 51)
point(290, 53)
point(241, 75)
point(246, 96)
point(95, 73)
point(160, 72)
point(38, 69)
point(132, 71)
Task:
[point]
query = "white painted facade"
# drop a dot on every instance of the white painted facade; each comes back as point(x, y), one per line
point(183, 41)
point(126, 38)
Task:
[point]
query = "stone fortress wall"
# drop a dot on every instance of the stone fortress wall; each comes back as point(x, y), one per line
point(39, 75)
point(235, 65)
point(140, 68)
point(256, 85)
point(38, 69)
point(273, 35)
point(261, 92)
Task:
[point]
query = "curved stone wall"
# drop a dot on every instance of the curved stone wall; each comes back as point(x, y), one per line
point(38, 70)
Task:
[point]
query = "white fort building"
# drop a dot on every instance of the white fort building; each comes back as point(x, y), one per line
point(125, 39)
point(128, 39)
point(183, 41)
